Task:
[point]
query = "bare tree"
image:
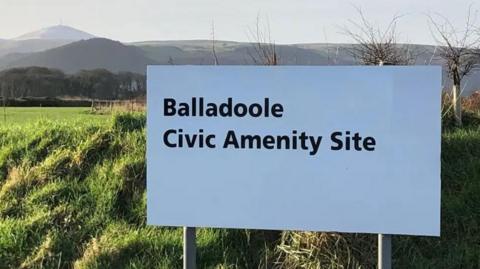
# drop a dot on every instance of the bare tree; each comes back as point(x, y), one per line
point(170, 60)
point(376, 46)
point(214, 52)
point(460, 49)
point(264, 49)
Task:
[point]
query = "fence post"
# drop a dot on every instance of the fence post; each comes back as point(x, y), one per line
point(4, 109)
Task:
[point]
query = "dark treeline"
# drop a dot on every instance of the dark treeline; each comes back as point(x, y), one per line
point(92, 84)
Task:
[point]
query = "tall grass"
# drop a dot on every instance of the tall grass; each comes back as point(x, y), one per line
point(72, 194)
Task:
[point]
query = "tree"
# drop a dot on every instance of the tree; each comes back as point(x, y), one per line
point(460, 49)
point(264, 49)
point(45, 82)
point(376, 46)
point(130, 85)
point(32, 82)
point(214, 52)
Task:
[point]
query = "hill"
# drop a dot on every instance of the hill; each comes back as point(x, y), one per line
point(85, 54)
point(115, 56)
point(29, 45)
point(43, 39)
point(57, 32)
point(229, 52)
point(240, 53)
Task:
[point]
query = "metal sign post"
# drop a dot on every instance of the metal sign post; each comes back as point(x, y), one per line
point(384, 251)
point(384, 240)
point(189, 248)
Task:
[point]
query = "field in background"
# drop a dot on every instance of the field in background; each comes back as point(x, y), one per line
point(14, 116)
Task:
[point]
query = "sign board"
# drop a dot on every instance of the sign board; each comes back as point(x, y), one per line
point(348, 149)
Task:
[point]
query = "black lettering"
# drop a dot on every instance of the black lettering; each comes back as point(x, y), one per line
point(285, 140)
point(208, 141)
point(194, 107)
point(347, 140)
point(243, 111)
point(356, 142)
point(183, 109)
point(211, 110)
point(254, 107)
point(268, 142)
point(369, 143)
point(267, 104)
point(190, 140)
point(201, 107)
point(169, 107)
point(337, 141)
point(165, 138)
point(315, 144)
point(303, 141)
point(228, 107)
point(294, 140)
point(251, 139)
point(230, 139)
point(277, 110)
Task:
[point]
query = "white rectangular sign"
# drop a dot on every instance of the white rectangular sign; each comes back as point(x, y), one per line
point(348, 149)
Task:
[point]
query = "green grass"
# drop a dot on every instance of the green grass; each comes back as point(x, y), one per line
point(459, 244)
point(72, 195)
point(25, 115)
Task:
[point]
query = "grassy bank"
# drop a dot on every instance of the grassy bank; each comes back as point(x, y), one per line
point(72, 194)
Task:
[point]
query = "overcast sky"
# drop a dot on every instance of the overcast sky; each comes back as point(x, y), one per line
point(291, 21)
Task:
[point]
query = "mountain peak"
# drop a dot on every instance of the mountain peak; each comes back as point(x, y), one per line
point(57, 32)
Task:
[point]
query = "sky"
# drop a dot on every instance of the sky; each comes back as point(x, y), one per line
point(291, 21)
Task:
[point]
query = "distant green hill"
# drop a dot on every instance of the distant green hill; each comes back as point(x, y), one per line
point(30, 45)
point(86, 54)
point(134, 57)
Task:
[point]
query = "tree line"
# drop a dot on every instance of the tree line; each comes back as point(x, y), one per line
point(91, 84)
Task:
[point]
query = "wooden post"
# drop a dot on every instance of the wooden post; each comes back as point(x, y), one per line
point(457, 104)
point(4, 110)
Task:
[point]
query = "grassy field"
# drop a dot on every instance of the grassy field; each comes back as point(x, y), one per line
point(25, 115)
point(72, 195)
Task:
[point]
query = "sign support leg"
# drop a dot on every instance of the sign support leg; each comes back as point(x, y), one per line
point(384, 251)
point(189, 248)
